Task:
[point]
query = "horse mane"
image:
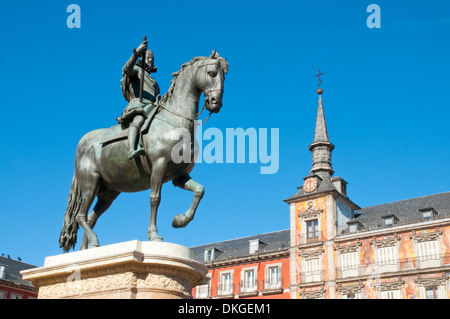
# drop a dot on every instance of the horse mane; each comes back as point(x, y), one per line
point(222, 62)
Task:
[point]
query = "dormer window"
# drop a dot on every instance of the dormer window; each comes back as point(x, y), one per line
point(211, 253)
point(427, 213)
point(389, 220)
point(255, 245)
point(353, 226)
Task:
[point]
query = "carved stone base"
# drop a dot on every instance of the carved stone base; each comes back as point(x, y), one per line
point(129, 270)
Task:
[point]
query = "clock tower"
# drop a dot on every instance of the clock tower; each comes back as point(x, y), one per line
point(317, 211)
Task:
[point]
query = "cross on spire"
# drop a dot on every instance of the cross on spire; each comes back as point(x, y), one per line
point(318, 76)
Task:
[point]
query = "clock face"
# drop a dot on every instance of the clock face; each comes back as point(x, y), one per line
point(310, 184)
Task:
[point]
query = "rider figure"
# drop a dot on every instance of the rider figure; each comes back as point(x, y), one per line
point(135, 113)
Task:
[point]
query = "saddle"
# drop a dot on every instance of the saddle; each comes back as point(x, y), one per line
point(124, 134)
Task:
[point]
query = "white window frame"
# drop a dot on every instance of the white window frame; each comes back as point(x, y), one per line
point(391, 294)
point(226, 288)
point(253, 246)
point(349, 264)
point(387, 258)
point(249, 284)
point(269, 281)
point(312, 268)
point(428, 253)
point(203, 291)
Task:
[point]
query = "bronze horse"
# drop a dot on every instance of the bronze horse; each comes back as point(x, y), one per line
point(104, 170)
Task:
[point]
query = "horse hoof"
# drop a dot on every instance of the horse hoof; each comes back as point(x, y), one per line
point(179, 221)
point(155, 237)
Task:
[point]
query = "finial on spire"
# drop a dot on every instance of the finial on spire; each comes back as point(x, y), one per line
point(321, 147)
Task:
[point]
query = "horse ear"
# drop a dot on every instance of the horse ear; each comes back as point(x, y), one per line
point(213, 55)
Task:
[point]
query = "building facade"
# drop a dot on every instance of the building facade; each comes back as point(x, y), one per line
point(335, 249)
point(12, 286)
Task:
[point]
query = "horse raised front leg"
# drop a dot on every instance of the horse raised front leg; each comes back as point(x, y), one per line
point(156, 181)
point(187, 183)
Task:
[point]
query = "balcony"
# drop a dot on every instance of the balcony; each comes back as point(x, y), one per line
point(309, 277)
point(248, 288)
point(402, 265)
point(224, 291)
point(310, 238)
point(272, 286)
point(203, 292)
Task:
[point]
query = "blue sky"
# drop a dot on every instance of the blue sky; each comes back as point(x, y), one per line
point(385, 99)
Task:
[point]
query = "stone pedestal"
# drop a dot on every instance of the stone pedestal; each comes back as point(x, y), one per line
point(129, 270)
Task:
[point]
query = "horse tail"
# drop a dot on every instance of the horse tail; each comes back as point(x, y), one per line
point(68, 236)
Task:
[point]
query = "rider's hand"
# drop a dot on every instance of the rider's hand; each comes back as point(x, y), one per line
point(142, 47)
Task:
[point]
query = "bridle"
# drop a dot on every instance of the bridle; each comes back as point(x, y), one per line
point(206, 93)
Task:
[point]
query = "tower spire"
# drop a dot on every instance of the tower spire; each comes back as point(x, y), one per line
point(321, 147)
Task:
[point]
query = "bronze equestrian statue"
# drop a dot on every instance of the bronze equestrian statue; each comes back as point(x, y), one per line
point(102, 165)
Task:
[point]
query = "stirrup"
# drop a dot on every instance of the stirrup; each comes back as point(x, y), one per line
point(133, 154)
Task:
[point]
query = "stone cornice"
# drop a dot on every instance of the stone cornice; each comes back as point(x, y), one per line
point(392, 285)
point(426, 236)
point(348, 248)
point(311, 253)
point(350, 289)
point(426, 282)
point(379, 243)
point(310, 213)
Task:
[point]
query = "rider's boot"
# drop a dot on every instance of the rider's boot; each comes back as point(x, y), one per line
point(133, 135)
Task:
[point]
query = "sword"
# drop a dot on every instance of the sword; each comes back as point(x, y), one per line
point(141, 89)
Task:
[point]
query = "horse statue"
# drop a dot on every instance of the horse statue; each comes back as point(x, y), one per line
point(103, 169)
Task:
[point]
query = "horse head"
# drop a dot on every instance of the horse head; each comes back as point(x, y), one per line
point(210, 77)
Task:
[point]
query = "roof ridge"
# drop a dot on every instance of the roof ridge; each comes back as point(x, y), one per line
point(403, 200)
point(223, 241)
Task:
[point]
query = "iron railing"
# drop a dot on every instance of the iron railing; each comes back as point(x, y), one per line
point(311, 237)
point(404, 264)
point(311, 276)
point(272, 284)
point(247, 286)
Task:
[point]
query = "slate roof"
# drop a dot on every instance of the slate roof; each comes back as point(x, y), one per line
point(405, 211)
point(13, 269)
point(274, 241)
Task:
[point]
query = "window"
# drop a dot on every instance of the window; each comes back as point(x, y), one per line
point(273, 277)
point(426, 215)
point(3, 294)
point(387, 258)
point(211, 253)
point(388, 221)
point(226, 283)
point(391, 294)
point(428, 254)
point(312, 228)
point(312, 270)
point(254, 246)
point(432, 293)
point(15, 296)
point(349, 296)
point(349, 264)
point(202, 291)
point(353, 228)
point(249, 280)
